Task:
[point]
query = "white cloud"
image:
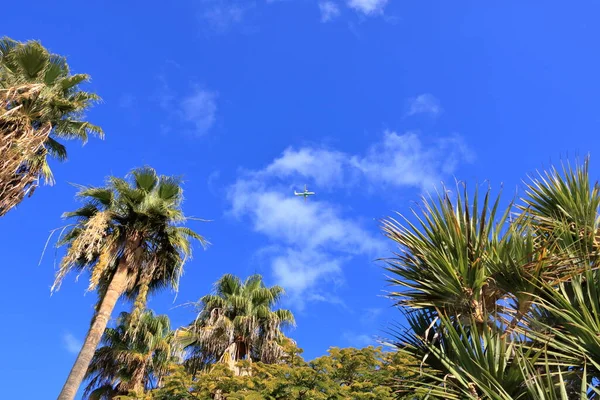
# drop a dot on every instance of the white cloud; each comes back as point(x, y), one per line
point(200, 109)
point(368, 7)
point(404, 160)
point(71, 343)
point(425, 104)
point(312, 241)
point(325, 167)
point(197, 108)
point(295, 270)
point(398, 160)
point(329, 10)
point(358, 340)
point(219, 16)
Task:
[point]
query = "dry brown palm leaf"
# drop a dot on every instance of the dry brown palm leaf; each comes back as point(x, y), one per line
point(20, 145)
point(86, 247)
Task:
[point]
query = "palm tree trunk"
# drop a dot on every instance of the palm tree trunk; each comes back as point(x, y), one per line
point(137, 380)
point(115, 289)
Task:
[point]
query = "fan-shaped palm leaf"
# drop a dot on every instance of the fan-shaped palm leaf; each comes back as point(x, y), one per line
point(126, 363)
point(40, 103)
point(128, 235)
point(238, 322)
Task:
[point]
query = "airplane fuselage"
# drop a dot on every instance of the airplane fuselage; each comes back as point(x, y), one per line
point(304, 194)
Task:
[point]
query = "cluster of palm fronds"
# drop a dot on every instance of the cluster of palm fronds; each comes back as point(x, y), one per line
point(503, 305)
point(40, 102)
point(20, 145)
point(136, 224)
point(130, 236)
point(124, 364)
point(235, 326)
point(237, 323)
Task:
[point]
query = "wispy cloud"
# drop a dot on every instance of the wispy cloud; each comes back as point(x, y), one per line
point(323, 166)
point(194, 112)
point(368, 7)
point(200, 110)
point(424, 104)
point(359, 339)
point(71, 343)
point(222, 15)
point(405, 160)
point(398, 160)
point(311, 242)
point(329, 10)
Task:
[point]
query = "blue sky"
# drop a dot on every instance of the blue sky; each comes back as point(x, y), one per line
point(368, 102)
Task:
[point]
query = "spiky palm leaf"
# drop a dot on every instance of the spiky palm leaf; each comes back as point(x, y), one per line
point(568, 322)
point(535, 335)
point(481, 362)
point(444, 259)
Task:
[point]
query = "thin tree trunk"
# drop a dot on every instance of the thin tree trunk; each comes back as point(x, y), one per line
point(114, 291)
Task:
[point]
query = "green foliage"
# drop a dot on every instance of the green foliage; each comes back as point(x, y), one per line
point(353, 374)
point(41, 103)
point(138, 222)
point(127, 363)
point(61, 102)
point(237, 322)
point(503, 306)
point(357, 374)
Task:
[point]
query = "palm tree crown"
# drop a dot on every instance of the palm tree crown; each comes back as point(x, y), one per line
point(40, 103)
point(125, 363)
point(128, 235)
point(503, 306)
point(138, 222)
point(237, 322)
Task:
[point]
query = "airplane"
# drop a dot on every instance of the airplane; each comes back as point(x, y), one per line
point(305, 194)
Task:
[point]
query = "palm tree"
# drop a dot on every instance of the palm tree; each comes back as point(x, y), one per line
point(237, 322)
point(40, 103)
point(503, 306)
point(126, 363)
point(128, 235)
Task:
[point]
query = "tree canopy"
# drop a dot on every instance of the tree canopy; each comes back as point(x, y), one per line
point(237, 322)
point(41, 104)
point(349, 373)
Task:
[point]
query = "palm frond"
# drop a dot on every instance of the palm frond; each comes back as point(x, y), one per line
point(39, 102)
point(237, 320)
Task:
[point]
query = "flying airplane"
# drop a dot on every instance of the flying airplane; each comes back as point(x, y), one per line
point(305, 194)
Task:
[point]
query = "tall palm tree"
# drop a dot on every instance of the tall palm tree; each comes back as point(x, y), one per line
point(41, 103)
point(128, 235)
point(237, 322)
point(126, 363)
point(503, 307)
